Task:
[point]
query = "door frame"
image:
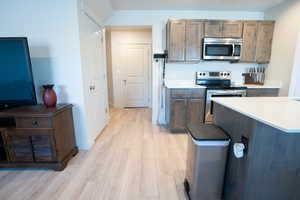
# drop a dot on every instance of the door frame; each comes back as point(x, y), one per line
point(294, 90)
point(117, 75)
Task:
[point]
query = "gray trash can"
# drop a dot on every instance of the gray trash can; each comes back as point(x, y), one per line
point(206, 161)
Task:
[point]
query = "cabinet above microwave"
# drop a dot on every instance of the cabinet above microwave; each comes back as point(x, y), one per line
point(184, 39)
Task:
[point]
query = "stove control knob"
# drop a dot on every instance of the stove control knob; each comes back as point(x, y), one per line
point(203, 74)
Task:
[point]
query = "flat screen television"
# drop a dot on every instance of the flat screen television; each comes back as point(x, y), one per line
point(16, 80)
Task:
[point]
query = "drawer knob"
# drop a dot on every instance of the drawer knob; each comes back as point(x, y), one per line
point(35, 123)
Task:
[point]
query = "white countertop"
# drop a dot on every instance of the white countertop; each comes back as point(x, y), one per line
point(180, 84)
point(282, 113)
point(262, 86)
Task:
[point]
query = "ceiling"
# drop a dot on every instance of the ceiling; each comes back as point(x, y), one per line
point(242, 5)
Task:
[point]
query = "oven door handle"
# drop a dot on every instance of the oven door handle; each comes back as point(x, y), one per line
point(233, 50)
point(209, 93)
point(233, 93)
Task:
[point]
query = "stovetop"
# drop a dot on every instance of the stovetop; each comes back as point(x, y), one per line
point(216, 81)
point(219, 85)
point(225, 87)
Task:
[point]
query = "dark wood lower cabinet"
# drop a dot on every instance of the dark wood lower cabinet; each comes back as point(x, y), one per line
point(42, 148)
point(19, 148)
point(262, 92)
point(184, 106)
point(270, 167)
point(178, 114)
point(3, 156)
point(195, 110)
point(31, 142)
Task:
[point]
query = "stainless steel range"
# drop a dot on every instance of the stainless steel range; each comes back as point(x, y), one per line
point(218, 84)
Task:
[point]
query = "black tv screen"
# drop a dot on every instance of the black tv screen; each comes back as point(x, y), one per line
point(16, 80)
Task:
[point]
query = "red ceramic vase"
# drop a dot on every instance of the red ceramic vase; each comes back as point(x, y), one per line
point(49, 96)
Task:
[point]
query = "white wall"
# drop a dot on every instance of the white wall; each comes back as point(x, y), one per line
point(52, 31)
point(118, 37)
point(287, 28)
point(100, 10)
point(183, 72)
point(158, 20)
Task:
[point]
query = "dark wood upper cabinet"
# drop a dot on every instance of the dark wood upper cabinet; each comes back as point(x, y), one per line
point(176, 40)
point(249, 45)
point(258, 37)
point(264, 41)
point(184, 38)
point(223, 29)
point(194, 36)
point(232, 29)
point(213, 29)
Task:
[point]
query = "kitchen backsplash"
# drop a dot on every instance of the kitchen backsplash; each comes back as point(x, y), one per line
point(186, 72)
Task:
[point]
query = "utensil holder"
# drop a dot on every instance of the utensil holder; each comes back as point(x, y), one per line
point(257, 78)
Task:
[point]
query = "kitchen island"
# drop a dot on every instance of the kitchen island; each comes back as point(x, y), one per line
point(269, 129)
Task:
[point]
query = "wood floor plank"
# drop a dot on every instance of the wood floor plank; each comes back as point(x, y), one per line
point(131, 160)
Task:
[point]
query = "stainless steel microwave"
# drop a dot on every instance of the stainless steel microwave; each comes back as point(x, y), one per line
point(227, 49)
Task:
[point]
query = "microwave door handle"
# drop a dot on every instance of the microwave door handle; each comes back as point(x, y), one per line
point(233, 50)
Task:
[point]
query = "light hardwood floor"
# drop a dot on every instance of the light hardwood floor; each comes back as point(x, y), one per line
point(131, 160)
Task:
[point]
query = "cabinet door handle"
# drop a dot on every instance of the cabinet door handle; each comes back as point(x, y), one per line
point(35, 123)
point(240, 149)
point(245, 141)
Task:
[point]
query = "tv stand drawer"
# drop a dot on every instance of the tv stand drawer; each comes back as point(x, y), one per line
point(30, 122)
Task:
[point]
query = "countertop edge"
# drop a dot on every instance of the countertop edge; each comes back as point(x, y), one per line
point(262, 87)
point(192, 86)
point(287, 131)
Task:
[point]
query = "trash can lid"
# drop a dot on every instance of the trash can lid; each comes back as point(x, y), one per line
point(207, 132)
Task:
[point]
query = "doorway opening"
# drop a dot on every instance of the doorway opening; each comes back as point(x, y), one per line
point(129, 66)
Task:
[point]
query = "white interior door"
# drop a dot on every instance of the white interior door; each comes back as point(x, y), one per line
point(95, 79)
point(135, 75)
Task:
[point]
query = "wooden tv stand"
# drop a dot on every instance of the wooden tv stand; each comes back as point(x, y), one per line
point(36, 136)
